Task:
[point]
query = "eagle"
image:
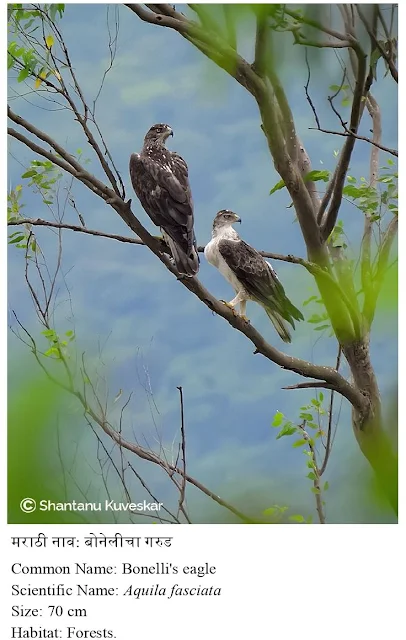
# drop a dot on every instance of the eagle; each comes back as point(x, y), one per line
point(160, 180)
point(251, 276)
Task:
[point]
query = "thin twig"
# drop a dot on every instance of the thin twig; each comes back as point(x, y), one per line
point(183, 445)
point(350, 134)
point(330, 421)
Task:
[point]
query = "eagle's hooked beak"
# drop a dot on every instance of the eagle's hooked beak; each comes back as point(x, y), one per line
point(169, 132)
point(237, 218)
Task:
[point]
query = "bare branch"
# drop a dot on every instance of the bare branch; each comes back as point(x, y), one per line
point(183, 441)
point(319, 27)
point(310, 385)
point(306, 88)
point(330, 421)
point(345, 158)
point(350, 134)
point(126, 239)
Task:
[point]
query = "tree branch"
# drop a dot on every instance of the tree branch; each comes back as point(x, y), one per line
point(330, 218)
point(388, 59)
point(126, 239)
point(347, 134)
point(319, 27)
point(261, 45)
point(310, 385)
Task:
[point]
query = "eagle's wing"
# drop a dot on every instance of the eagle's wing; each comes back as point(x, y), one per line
point(162, 185)
point(258, 278)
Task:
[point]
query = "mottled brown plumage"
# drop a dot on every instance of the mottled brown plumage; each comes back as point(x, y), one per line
point(160, 180)
point(251, 276)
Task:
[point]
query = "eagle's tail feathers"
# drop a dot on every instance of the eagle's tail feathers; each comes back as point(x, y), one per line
point(279, 324)
point(187, 265)
point(294, 312)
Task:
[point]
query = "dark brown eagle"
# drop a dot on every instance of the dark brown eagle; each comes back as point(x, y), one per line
point(250, 275)
point(160, 180)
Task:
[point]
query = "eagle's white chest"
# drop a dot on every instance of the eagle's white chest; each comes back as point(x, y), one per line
point(213, 255)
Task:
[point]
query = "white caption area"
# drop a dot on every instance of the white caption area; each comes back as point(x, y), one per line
point(112, 582)
point(202, 582)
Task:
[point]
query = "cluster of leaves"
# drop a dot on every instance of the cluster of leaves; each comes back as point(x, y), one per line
point(307, 415)
point(276, 513)
point(43, 175)
point(320, 320)
point(312, 176)
point(57, 346)
point(25, 59)
point(346, 95)
point(373, 202)
point(311, 417)
point(23, 238)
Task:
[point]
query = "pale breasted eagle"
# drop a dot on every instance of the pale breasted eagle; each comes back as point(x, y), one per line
point(251, 276)
point(160, 180)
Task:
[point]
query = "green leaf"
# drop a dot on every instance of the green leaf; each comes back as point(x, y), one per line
point(49, 41)
point(306, 302)
point(314, 490)
point(297, 518)
point(279, 185)
point(17, 239)
point(314, 176)
point(323, 326)
point(299, 443)
point(306, 416)
point(29, 174)
point(345, 102)
point(277, 419)
point(69, 333)
point(24, 73)
point(53, 351)
point(274, 510)
point(326, 486)
point(311, 475)
point(321, 396)
point(287, 430)
point(315, 318)
point(48, 333)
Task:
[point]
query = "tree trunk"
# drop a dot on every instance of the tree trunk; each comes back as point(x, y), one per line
point(369, 430)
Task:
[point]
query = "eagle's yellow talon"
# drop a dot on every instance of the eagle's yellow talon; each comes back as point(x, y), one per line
point(229, 306)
